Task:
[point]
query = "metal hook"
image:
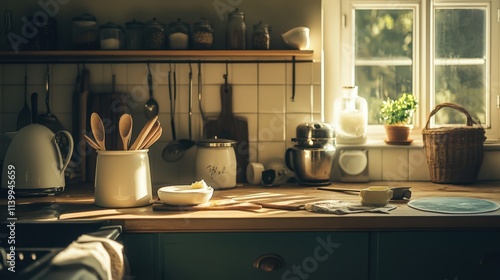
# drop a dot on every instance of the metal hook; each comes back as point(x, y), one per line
point(225, 75)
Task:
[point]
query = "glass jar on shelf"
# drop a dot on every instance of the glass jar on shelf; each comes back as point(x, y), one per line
point(261, 39)
point(203, 35)
point(178, 35)
point(154, 35)
point(111, 37)
point(236, 31)
point(133, 37)
point(350, 117)
point(85, 32)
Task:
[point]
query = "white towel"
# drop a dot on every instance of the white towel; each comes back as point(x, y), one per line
point(102, 255)
point(345, 207)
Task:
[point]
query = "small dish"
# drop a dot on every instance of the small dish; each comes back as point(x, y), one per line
point(404, 142)
point(184, 195)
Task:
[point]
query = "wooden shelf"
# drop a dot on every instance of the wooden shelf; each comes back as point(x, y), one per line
point(130, 56)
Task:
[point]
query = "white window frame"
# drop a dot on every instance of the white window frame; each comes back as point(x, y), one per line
point(338, 61)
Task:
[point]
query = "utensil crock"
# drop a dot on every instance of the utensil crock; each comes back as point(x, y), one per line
point(123, 179)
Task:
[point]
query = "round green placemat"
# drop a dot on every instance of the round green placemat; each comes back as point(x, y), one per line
point(454, 205)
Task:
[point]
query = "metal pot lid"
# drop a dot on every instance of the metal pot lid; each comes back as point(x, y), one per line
point(216, 143)
point(314, 131)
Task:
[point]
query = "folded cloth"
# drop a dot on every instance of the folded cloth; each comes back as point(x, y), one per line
point(90, 254)
point(115, 251)
point(102, 255)
point(346, 207)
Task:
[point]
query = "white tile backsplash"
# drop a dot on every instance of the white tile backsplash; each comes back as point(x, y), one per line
point(261, 95)
point(395, 164)
point(271, 99)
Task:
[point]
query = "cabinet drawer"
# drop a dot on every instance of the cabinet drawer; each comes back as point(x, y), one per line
point(437, 255)
point(306, 255)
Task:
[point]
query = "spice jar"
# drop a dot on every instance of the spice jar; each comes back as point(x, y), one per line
point(236, 31)
point(351, 117)
point(154, 35)
point(261, 39)
point(133, 38)
point(46, 35)
point(111, 37)
point(178, 35)
point(203, 35)
point(85, 32)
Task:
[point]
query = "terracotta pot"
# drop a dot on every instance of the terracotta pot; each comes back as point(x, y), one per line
point(397, 133)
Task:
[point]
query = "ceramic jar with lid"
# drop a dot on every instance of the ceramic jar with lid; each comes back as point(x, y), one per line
point(216, 163)
point(236, 31)
point(178, 35)
point(203, 35)
point(134, 32)
point(261, 39)
point(85, 32)
point(111, 37)
point(154, 35)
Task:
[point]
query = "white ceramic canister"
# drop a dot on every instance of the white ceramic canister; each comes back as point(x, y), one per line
point(216, 163)
point(122, 179)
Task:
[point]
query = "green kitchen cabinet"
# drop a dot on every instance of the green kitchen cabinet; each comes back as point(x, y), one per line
point(281, 255)
point(452, 255)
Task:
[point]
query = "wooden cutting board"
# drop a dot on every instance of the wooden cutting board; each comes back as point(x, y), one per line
point(229, 126)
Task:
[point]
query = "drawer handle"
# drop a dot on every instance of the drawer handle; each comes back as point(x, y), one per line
point(269, 262)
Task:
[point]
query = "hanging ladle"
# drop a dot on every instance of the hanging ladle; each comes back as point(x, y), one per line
point(151, 107)
point(174, 150)
point(188, 143)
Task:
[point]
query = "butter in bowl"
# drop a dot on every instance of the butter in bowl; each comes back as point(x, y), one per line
point(194, 194)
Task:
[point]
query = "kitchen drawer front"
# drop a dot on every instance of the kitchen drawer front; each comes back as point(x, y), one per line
point(436, 255)
point(306, 255)
point(141, 250)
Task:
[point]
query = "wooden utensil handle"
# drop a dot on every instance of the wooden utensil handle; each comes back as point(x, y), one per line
point(226, 100)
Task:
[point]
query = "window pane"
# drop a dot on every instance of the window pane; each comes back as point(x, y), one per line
point(383, 33)
point(377, 83)
point(460, 33)
point(384, 56)
point(460, 63)
point(461, 85)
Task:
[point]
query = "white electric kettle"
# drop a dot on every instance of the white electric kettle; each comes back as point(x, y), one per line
point(34, 163)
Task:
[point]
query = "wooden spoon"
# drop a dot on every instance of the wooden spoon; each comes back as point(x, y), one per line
point(125, 126)
point(98, 130)
point(143, 134)
point(151, 134)
point(91, 142)
point(153, 139)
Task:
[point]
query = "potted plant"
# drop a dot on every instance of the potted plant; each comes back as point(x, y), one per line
point(398, 116)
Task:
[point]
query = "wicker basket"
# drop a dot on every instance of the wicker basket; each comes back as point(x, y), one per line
point(454, 154)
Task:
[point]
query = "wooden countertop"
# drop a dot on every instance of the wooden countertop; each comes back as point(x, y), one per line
point(77, 203)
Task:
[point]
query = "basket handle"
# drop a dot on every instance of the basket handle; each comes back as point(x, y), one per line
point(470, 121)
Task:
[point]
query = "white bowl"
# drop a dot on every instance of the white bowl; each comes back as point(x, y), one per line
point(297, 38)
point(184, 195)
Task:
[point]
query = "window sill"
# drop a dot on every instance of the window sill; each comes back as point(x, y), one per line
point(489, 145)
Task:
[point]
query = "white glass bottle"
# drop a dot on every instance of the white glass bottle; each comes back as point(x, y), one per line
point(350, 117)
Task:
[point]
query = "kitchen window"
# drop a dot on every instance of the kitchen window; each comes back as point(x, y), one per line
point(441, 51)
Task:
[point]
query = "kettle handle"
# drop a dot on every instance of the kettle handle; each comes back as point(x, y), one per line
point(288, 160)
point(64, 164)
